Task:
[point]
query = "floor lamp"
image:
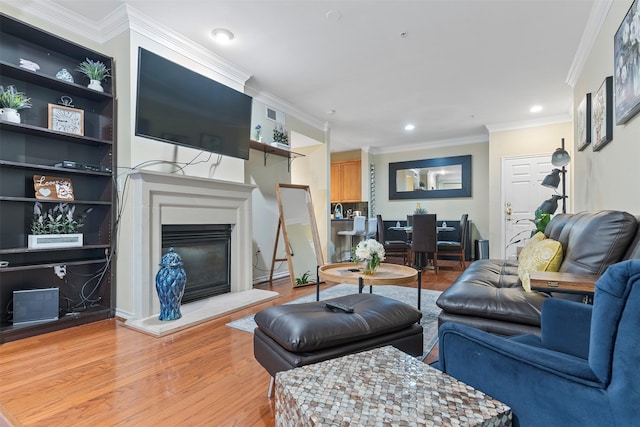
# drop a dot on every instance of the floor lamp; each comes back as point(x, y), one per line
point(559, 158)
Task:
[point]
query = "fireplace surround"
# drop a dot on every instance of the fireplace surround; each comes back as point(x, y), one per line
point(169, 199)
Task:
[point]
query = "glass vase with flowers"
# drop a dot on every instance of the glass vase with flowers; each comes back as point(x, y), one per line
point(370, 253)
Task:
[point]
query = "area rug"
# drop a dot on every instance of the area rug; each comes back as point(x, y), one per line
point(429, 308)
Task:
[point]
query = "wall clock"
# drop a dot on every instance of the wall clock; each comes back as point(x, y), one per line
point(66, 119)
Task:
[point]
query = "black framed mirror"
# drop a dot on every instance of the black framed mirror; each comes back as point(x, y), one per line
point(443, 177)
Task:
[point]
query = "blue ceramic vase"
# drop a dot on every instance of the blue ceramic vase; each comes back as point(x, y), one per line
point(170, 282)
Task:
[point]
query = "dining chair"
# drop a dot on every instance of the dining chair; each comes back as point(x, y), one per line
point(392, 248)
point(357, 230)
point(424, 239)
point(409, 220)
point(456, 249)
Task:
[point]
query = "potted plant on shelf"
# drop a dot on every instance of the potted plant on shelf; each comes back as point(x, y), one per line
point(10, 102)
point(57, 227)
point(96, 71)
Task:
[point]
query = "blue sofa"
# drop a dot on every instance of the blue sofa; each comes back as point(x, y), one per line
point(584, 368)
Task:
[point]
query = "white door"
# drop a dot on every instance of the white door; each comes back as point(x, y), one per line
point(522, 194)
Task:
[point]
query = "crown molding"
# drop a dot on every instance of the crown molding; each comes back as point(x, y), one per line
point(128, 18)
point(114, 24)
point(52, 13)
point(282, 105)
point(543, 121)
point(142, 24)
point(474, 139)
point(596, 19)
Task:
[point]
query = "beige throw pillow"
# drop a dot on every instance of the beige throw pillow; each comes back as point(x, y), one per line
point(545, 255)
point(538, 237)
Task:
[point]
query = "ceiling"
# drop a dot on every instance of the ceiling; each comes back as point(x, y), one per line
point(367, 68)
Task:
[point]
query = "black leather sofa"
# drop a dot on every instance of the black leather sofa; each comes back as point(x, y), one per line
point(488, 295)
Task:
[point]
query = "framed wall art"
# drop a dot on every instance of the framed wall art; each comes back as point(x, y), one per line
point(626, 48)
point(583, 122)
point(602, 115)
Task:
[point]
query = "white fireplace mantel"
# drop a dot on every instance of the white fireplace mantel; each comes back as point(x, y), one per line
point(161, 199)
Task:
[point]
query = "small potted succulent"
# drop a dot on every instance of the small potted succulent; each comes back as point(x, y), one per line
point(303, 280)
point(10, 102)
point(96, 71)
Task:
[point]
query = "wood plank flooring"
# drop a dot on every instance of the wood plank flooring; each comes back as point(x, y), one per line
point(105, 374)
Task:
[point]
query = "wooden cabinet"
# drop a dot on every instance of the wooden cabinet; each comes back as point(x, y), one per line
point(84, 274)
point(346, 181)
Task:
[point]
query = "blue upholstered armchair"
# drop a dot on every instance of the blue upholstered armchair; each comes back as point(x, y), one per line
point(584, 369)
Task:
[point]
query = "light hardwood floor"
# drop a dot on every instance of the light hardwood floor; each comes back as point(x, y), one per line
point(105, 374)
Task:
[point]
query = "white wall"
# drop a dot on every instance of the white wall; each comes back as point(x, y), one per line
point(607, 179)
point(265, 209)
point(446, 209)
point(312, 170)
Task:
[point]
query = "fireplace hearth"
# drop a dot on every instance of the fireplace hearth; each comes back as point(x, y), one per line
point(205, 250)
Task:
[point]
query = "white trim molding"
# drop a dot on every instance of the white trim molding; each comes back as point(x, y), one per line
point(596, 19)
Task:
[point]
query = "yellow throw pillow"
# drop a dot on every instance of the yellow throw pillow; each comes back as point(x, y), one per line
point(538, 237)
point(545, 255)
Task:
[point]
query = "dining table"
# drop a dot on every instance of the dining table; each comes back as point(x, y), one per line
point(409, 229)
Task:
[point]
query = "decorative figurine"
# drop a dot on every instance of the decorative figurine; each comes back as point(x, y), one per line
point(29, 65)
point(64, 75)
point(170, 282)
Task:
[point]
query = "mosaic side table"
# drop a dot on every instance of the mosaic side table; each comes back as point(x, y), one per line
point(381, 387)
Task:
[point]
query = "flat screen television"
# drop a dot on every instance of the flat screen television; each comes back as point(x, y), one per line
point(179, 106)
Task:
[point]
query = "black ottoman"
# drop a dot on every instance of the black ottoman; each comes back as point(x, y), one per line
point(293, 335)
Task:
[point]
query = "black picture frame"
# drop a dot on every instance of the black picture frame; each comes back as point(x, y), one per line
point(602, 115)
point(463, 191)
point(627, 67)
point(583, 122)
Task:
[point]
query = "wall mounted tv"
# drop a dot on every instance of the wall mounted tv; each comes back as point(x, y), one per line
point(179, 106)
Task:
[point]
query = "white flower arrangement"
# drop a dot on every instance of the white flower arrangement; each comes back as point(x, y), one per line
point(370, 251)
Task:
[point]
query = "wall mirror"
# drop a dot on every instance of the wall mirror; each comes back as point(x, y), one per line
point(299, 233)
point(444, 177)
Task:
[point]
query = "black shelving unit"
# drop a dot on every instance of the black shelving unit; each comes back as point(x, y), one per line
point(87, 290)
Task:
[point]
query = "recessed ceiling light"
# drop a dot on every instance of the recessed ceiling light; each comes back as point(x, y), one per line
point(222, 35)
point(536, 108)
point(409, 127)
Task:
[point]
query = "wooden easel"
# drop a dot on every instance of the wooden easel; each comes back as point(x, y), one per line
point(275, 249)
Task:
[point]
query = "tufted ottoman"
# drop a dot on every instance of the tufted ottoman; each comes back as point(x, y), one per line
point(293, 335)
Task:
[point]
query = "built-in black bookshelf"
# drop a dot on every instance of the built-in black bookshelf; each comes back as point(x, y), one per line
point(31, 147)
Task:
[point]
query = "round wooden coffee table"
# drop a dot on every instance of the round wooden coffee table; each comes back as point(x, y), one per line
point(385, 274)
